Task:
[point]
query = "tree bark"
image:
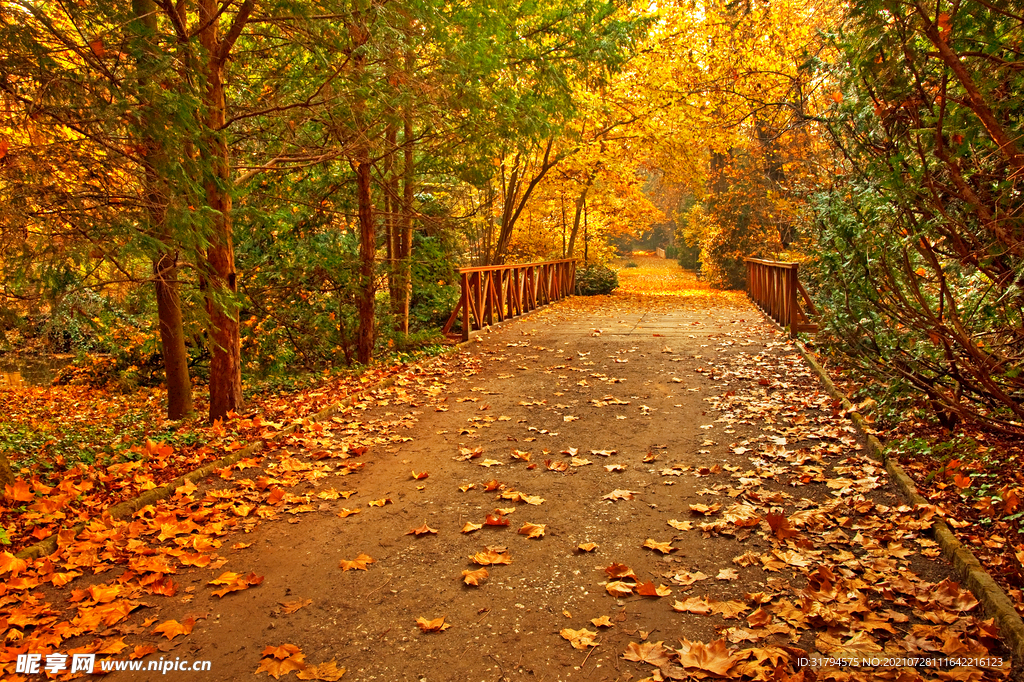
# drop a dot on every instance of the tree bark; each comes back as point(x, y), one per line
point(172, 335)
point(581, 201)
point(408, 197)
point(363, 167)
point(165, 263)
point(367, 256)
point(219, 274)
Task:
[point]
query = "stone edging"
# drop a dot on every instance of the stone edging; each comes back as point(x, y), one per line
point(992, 597)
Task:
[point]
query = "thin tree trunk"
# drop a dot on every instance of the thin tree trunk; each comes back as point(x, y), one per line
point(363, 167)
point(367, 255)
point(172, 335)
point(514, 204)
point(581, 201)
point(408, 196)
point(165, 263)
point(392, 238)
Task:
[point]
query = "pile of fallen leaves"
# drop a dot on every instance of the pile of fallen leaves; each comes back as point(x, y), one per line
point(972, 474)
point(43, 611)
point(842, 568)
point(657, 277)
point(83, 450)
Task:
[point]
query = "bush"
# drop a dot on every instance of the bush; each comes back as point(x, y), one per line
point(594, 280)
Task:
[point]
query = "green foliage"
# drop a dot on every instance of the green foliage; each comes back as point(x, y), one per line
point(435, 288)
point(919, 272)
point(595, 280)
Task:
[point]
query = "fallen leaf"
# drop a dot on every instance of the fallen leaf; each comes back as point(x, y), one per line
point(580, 639)
point(359, 563)
point(587, 546)
point(663, 547)
point(327, 672)
point(11, 564)
point(727, 574)
point(533, 530)
point(293, 606)
point(602, 622)
point(172, 628)
point(422, 530)
point(652, 653)
point(620, 495)
point(620, 571)
point(681, 525)
point(419, 475)
point(650, 590)
point(281, 660)
point(435, 625)
point(470, 527)
point(697, 605)
point(474, 577)
point(714, 658)
point(496, 520)
point(234, 582)
point(490, 557)
point(379, 503)
point(779, 525)
point(617, 588)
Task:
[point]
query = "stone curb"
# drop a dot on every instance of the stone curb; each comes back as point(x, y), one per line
point(992, 597)
point(128, 507)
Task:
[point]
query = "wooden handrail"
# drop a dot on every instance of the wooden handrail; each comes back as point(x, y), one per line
point(505, 291)
point(775, 288)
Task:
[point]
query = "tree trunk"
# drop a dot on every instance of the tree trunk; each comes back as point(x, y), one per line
point(392, 204)
point(514, 204)
point(219, 273)
point(581, 201)
point(367, 255)
point(172, 335)
point(165, 263)
point(363, 167)
point(408, 197)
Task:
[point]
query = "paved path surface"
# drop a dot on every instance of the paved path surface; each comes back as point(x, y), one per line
point(682, 422)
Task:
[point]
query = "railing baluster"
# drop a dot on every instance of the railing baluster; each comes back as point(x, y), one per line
point(775, 288)
point(506, 291)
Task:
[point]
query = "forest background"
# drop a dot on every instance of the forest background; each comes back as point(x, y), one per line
point(210, 193)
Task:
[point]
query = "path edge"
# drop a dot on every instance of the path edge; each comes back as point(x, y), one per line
point(992, 597)
point(124, 509)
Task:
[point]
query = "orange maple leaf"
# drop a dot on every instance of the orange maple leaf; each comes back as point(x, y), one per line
point(359, 563)
point(172, 628)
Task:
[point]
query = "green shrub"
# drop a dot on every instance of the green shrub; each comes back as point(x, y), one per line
point(594, 280)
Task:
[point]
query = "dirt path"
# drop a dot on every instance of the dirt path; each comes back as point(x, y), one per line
point(682, 422)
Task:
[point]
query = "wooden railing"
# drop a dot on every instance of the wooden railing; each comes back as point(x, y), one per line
point(775, 289)
point(502, 291)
